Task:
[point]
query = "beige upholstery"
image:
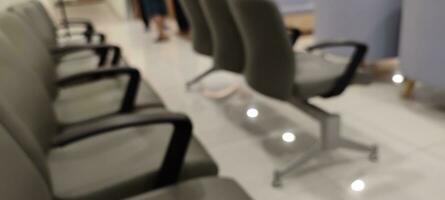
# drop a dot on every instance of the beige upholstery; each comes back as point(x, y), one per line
point(228, 50)
point(38, 22)
point(19, 178)
point(38, 57)
point(315, 75)
point(201, 38)
point(272, 67)
point(126, 161)
point(72, 104)
point(200, 189)
point(111, 165)
point(26, 111)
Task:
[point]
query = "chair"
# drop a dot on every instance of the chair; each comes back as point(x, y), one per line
point(47, 29)
point(221, 34)
point(228, 50)
point(275, 70)
point(34, 15)
point(200, 31)
point(22, 180)
point(31, 13)
point(108, 158)
point(75, 101)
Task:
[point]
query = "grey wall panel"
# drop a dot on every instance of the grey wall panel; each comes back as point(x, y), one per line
point(375, 22)
point(422, 45)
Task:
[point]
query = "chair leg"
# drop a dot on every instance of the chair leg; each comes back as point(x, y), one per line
point(372, 149)
point(198, 78)
point(408, 88)
point(330, 140)
point(298, 162)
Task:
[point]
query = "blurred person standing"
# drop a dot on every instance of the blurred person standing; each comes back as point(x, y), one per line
point(183, 24)
point(156, 11)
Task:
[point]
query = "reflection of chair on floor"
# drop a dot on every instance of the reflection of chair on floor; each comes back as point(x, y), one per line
point(274, 70)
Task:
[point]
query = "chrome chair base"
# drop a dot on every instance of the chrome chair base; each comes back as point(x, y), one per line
point(214, 94)
point(199, 77)
point(330, 140)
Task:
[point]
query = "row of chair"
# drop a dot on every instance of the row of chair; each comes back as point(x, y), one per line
point(69, 130)
point(249, 37)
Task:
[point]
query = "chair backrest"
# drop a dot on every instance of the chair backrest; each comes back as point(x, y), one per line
point(38, 22)
point(42, 10)
point(26, 96)
point(19, 177)
point(201, 38)
point(32, 51)
point(24, 137)
point(270, 60)
point(228, 51)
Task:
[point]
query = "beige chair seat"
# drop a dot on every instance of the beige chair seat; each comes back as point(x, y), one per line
point(74, 63)
point(315, 76)
point(199, 189)
point(99, 98)
point(119, 164)
point(21, 180)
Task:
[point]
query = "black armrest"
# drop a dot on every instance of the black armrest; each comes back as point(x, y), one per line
point(101, 49)
point(88, 36)
point(128, 102)
point(176, 150)
point(357, 58)
point(294, 34)
point(87, 25)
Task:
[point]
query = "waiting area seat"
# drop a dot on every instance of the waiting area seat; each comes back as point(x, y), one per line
point(119, 90)
point(214, 33)
point(21, 180)
point(126, 152)
point(50, 33)
point(200, 189)
point(76, 130)
point(275, 70)
point(36, 18)
point(104, 154)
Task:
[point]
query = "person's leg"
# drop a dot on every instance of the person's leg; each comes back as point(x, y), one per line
point(160, 24)
point(144, 13)
point(180, 18)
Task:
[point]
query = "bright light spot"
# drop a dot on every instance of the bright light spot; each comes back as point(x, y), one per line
point(398, 78)
point(358, 185)
point(252, 113)
point(288, 137)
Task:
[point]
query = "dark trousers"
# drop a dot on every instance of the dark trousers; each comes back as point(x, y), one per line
point(180, 17)
point(144, 14)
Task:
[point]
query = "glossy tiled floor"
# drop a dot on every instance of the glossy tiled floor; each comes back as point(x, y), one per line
point(411, 135)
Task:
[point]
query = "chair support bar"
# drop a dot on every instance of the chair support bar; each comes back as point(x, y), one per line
point(198, 78)
point(331, 139)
